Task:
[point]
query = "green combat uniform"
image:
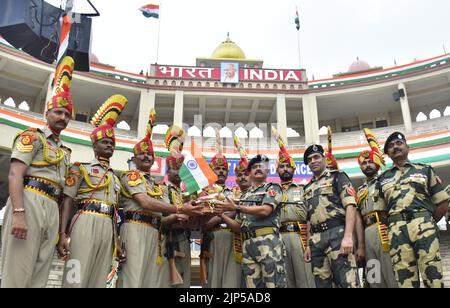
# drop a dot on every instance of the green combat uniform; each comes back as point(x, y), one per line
point(140, 233)
point(224, 268)
point(410, 195)
point(95, 190)
point(326, 198)
point(374, 216)
point(263, 249)
point(294, 234)
point(27, 263)
point(179, 238)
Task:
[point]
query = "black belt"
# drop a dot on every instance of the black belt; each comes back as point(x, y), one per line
point(146, 219)
point(43, 186)
point(327, 225)
point(96, 207)
point(289, 227)
point(408, 216)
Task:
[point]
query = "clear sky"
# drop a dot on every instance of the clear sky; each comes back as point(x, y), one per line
point(333, 32)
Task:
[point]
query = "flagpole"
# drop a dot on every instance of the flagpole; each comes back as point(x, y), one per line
point(297, 21)
point(159, 31)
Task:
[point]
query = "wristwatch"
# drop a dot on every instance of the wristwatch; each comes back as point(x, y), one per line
point(238, 209)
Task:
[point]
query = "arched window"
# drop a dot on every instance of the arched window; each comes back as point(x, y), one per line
point(421, 117)
point(10, 103)
point(209, 132)
point(447, 111)
point(241, 133)
point(434, 114)
point(291, 133)
point(123, 125)
point(256, 133)
point(24, 106)
point(194, 131)
point(225, 132)
point(160, 129)
point(323, 131)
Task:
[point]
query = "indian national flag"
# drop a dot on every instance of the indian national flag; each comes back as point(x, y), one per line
point(195, 171)
point(150, 10)
point(66, 23)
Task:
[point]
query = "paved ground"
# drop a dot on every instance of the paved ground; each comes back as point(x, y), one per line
point(55, 277)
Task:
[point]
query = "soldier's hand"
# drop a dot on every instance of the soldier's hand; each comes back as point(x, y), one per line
point(181, 217)
point(227, 206)
point(346, 245)
point(307, 254)
point(121, 255)
point(63, 247)
point(360, 256)
point(19, 226)
point(190, 209)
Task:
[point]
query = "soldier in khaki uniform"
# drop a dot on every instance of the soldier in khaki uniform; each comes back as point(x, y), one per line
point(143, 206)
point(258, 221)
point(175, 226)
point(293, 222)
point(415, 200)
point(224, 268)
point(94, 189)
point(330, 199)
point(39, 163)
point(373, 216)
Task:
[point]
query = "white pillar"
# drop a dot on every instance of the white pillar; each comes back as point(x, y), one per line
point(178, 108)
point(281, 117)
point(310, 119)
point(406, 113)
point(146, 103)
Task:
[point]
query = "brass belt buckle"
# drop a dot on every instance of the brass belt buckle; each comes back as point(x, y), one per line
point(104, 208)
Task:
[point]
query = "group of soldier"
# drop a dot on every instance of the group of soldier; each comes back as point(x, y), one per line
point(255, 235)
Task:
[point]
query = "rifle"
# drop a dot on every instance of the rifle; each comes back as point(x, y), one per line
point(204, 255)
point(171, 254)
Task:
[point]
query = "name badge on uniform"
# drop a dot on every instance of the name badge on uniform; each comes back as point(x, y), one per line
point(296, 195)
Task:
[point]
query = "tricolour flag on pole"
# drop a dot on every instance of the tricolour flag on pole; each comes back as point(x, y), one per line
point(66, 23)
point(150, 10)
point(195, 171)
point(297, 20)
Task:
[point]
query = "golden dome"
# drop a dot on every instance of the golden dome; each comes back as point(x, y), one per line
point(228, 50)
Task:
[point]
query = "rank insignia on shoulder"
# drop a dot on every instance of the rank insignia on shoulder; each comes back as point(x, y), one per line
point(271, 193)
point(351, 191)
point(70, 181)
point(25, 145)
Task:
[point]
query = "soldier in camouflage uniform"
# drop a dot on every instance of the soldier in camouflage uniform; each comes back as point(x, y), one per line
point(143, 207)
point(258, 221)
point(39, 163)
point(330, 199)
point(91, 242)
point(415, 200)
point(373, 215)
point(293, 222)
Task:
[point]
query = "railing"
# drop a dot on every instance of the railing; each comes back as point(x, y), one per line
point(295, 143)
point(81, 126)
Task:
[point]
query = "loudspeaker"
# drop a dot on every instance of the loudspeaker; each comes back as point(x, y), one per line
point(396, 96)
point(34, 26)
point(401, 92)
